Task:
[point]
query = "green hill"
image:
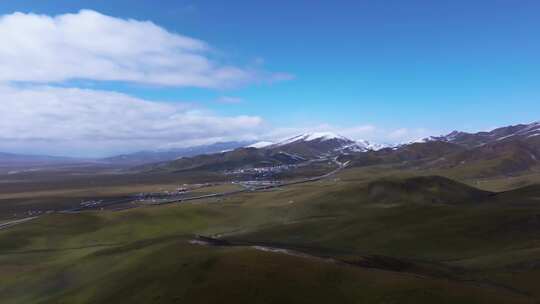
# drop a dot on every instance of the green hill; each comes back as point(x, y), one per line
point(334, 241)
point(239, 158)
point(425, 189)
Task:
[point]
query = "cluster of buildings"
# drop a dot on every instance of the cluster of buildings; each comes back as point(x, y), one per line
point(91, 203)
point(164, 194)
point(143, 196)
point(261, 172)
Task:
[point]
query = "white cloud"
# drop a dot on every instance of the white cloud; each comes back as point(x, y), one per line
point(42, 119)
point(399, 133)
point(358, 132)
point(383, 135)
point(89, 45)
point(39, 50)
point(408, 135)
point(45, 117)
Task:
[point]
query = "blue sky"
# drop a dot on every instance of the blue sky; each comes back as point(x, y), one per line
point(394, 70)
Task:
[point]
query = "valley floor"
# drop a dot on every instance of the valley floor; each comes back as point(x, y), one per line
point(336, 240)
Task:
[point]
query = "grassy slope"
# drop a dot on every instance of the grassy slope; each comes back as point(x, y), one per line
point(172, 271)
point(143, 255)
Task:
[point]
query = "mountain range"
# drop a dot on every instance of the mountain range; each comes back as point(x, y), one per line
point(471, 140)
point(316, 144)
point(294, 150)
point(503, 151)
point(506, 150)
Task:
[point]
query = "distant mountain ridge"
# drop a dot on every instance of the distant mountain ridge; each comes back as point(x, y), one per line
point(503, 151)
point(145, 157)
point(238, 158)
point(29, 159)
point(294, 150)
point(13, 160)
point(326, 142)
point(471, 140)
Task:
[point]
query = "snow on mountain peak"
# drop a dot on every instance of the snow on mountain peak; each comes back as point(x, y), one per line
point(371, 146)
point(345, 144)
point(322, 136)
point(260, 144)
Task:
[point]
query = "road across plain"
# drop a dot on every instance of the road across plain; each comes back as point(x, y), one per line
point(341, 166)
point(16, 222)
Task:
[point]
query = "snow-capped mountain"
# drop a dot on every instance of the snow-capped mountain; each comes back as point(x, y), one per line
point(505, 150)
point(316, 136)
point(363, 146)
point(470, 140)
point(297, 149)
point(260, 144)
point(321, 144)
point(371, 146)
point(313, 145)
point(526, 131)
